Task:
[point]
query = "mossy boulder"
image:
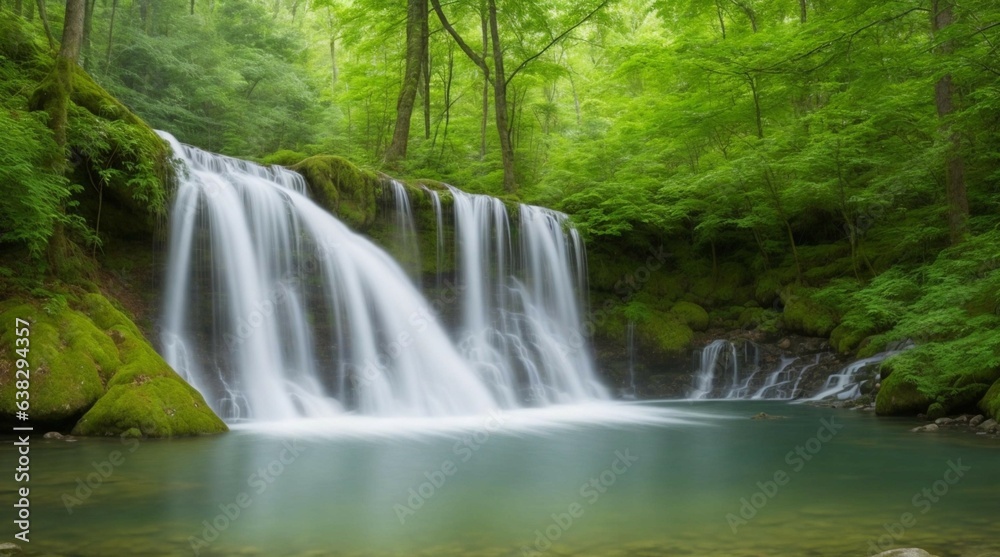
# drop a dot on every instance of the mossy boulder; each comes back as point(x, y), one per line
point(900, 394)
point(990, 404)
point(91, 365)
point(846, 337)
point(692, 315)
point(804, 315)
point(941, 377)
point(342, 188)
point(69, 358)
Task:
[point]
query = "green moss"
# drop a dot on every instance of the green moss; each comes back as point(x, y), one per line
point(845, 338)
point(900, 394)
point(70, 360)
point(145, 393)
point(956, 375)
point(343, 189)
point(990, 404)
point(88, 359)
point(284, 157)
point(692, 315)
point(729, 285)
point(804, 315)
point(155, 406)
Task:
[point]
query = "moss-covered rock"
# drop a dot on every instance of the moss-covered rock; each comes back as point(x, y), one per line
point(692, 315)
point(900, 393)
point(990, 404)
point(845, 338)
point(69, 360)
point(804, 315)
point(342, 188)
point(91, 365)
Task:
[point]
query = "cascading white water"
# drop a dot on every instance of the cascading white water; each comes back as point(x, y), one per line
point(718, 351)
point(843, 385)
point(630, 351)
point(439, 229)
point(521, 319)
point(780, 383)
point(275, 310)
point(406, 230)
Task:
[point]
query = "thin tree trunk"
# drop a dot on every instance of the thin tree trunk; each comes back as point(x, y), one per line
point(30, 16)
point(111, 34)
point(425, 36)
point(18, 8)
point(447, 97)
point(334, 70)
point(45, 24)
point(88, 19)
point(944, 92)
point(803, 12)
point(416, 15)
point(748, 10)
point(500, 103)
point(722, 19)
point(53, 96)
point(484, 122)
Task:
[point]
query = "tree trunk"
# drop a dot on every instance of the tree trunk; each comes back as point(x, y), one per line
point(45, 24)
point(722, 19)
point(53, 96)
point(944, 92)
point(803, 12)
point(30, 16)
point(416, 15)
point(425, 35)
point(500, 103)
point(18, 8)
point(111, 34)
point(484, 122)
point(88, 18)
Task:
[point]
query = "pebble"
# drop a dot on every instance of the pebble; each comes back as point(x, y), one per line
point(928, 427)
point(977, 420)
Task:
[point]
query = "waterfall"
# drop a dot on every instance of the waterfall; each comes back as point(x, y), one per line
point(717, 352)
point(630, 350)
point(779, 384)
point(405, 229)
point(275, 310)
point(843, 385)
point(439, 230)
point(521, 317)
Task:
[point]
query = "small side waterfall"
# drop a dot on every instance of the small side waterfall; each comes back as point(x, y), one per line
point(275, 310)
point(405, 229)
point(780, 383)
point(439, 252)
point(719, 355)
point(726, 372)
point(844, 384)
point(630, 393)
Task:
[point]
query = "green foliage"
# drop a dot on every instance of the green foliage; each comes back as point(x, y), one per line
point(34, 199)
